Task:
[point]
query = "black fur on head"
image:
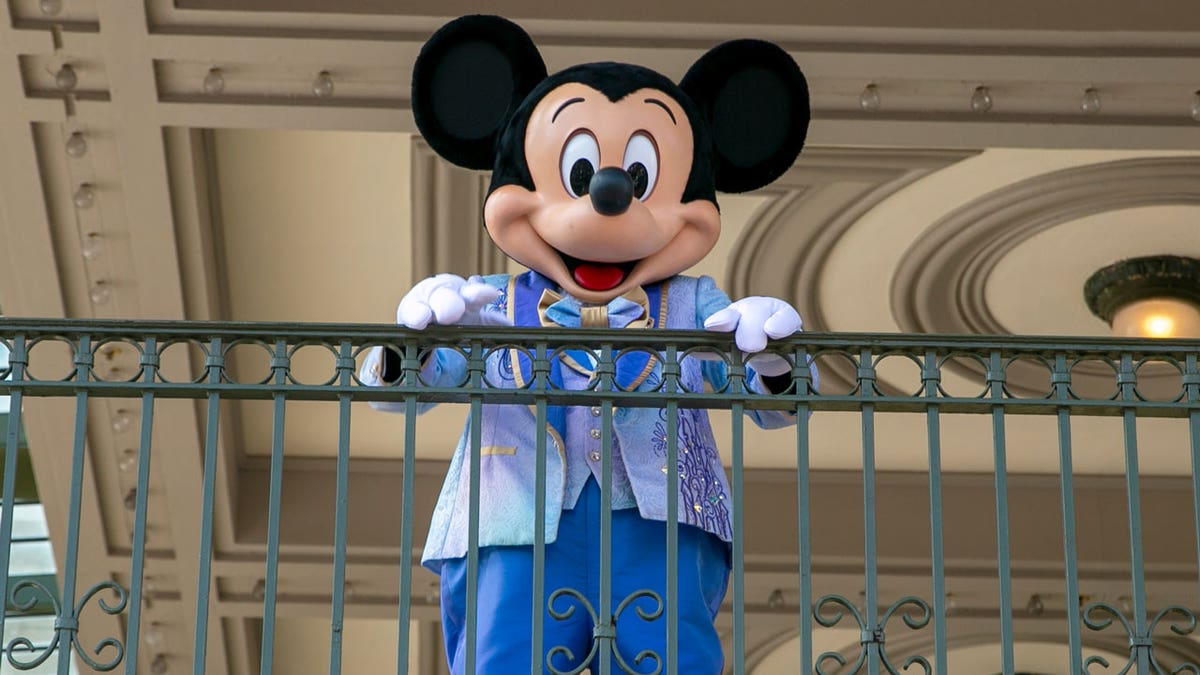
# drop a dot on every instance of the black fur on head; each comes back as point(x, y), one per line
point(615, 81)
point(478, 79)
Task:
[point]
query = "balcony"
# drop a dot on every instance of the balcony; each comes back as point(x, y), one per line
point(1051, 525)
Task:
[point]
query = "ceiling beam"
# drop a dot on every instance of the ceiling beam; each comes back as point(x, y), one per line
point(1024, 15)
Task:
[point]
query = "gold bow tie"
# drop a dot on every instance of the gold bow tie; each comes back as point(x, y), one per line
point(596, 316)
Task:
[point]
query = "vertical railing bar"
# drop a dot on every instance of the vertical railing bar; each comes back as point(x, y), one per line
point(672, 599)
point(1067, 488)
point(1004, 564)
point(937, 552)
point(280, 365)
point(604, 653)
point(1137, 569)
point(83, 361)
point(17, 374)
point(539, 512)
point(215, 365)
point(1192, 391)
point(739, 545)
point(870, 554)
point(341, 506)
point(476, 401)
point(1194, 424)
point(803, 500)
point(404, 612)
point(149, 374)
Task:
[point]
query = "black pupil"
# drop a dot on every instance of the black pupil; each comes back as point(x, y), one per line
point(581, 176)
point(641, 179)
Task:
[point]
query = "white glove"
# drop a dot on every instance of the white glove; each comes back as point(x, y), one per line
point(754, 320)
point(448, 299)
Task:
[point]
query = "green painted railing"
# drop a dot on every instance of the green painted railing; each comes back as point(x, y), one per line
point(1059, 378)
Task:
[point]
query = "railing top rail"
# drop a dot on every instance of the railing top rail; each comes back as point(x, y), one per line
point(364, 333)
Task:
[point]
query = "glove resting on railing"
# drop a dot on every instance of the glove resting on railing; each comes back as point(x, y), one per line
point(754, 320)
point(448, 299)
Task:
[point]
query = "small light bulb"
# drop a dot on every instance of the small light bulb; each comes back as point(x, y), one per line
point(131, 499)
point(260, 589)
point(775, 600)
point(159, 665)
point(66, 78)
point(1196, 107)
point(77, 145)
point(128, 461)
point(951, 602)
point(91, 248)
point(214, 81)
point(981, 100)
point(101, 292)
point(1090, 103)
point(50, 7)
point(1159, 325)
point(1163, 317)
point(1035, 606)
point(84, 197)
point(869, 98)
point(153, 636)
point(323, 84)
point(121, 421)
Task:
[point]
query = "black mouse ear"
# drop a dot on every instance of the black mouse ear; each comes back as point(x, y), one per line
point(467, 81)
point(755, 100)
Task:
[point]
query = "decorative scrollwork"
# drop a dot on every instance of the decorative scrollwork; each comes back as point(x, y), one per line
point(1100, 615)
point(122, 601)
point(916, 615)
point(645, 616)
point(24, 595)
point(603, 631)
point(563, 615)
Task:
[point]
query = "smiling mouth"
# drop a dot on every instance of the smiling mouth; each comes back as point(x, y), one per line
point(597, 276)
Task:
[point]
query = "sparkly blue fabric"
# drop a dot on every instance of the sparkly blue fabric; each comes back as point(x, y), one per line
point(509, 433)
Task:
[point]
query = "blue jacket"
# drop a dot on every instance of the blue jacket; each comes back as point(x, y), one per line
point(509, 435)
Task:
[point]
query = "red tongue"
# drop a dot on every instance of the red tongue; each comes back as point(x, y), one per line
point(596, 277)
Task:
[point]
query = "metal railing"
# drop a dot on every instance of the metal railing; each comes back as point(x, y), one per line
point(866, 376)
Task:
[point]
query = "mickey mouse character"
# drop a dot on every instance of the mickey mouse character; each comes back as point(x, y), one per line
point(604, 180)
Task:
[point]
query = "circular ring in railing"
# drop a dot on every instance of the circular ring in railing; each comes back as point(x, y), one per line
point(248, 361)
point(319, 356)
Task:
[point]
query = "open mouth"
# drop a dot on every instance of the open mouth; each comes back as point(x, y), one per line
point(597, 276)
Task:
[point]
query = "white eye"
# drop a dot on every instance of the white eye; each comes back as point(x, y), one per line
point(641, 163)
point(580, 157)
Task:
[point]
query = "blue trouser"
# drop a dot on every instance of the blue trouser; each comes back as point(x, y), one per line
point(639, 561)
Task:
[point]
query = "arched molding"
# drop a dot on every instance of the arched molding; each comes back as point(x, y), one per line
point(948, 267)
point(766, 644)
point(941, 282)
point(784, 248)
point(810, 207)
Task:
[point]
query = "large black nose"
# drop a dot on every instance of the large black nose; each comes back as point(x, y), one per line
point(611, 190)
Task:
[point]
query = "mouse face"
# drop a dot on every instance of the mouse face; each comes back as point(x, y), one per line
point(606, 211)
point(605, 175)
